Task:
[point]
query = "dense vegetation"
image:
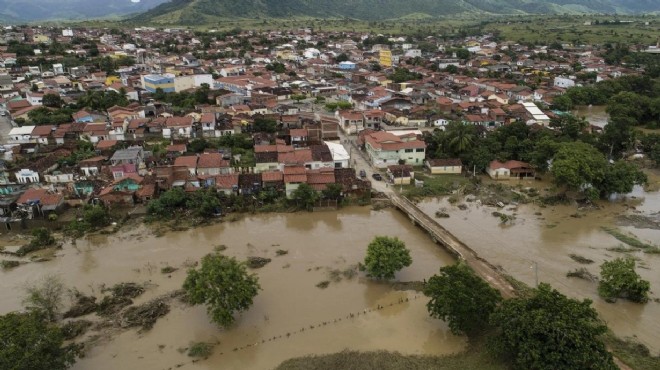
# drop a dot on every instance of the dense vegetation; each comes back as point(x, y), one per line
point(548, 330)
point(461, 298)
point(29, 342)
point(223, 285)
point(386, 256)
point(618, 279)
point(365, 9)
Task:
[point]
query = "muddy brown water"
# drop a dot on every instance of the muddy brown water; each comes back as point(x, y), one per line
point(549, 238)
point(288, 302)
point(595, 115)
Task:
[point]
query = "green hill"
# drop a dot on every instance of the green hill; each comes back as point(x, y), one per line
point(194, 11)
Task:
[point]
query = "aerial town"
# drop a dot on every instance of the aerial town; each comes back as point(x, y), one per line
point(120, 116)
point(147, 170)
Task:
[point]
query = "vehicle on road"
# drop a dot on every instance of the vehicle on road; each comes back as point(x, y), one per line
point(363, 174)
point(377, 177)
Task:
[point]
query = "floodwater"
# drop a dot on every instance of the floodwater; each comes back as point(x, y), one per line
point(289, 301)
point(548, 239)
point(595, 115)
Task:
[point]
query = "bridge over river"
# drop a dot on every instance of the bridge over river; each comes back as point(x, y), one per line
point(442, 236)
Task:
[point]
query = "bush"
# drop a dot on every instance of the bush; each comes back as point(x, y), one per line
point(386, 256)
point(619, 280)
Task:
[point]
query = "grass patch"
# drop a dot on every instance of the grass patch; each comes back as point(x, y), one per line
point(281, 252)
point(200, 350)
point(580, 259)
point(168, 270)
point(476, 356)
point(435, 186)
point(322, 285)
point(628, 239)
point(632, 353)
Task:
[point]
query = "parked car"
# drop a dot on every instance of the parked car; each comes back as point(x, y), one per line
point(363, 174)
point(377, 176)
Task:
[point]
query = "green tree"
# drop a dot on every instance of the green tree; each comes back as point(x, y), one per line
point(298, 97)
point(332, 191)
point(30, 343)
point(42, 237)
point(618, 279)
point(341, 58)
point(264, 125)
point(577, 165)
point(305, 196)
point(52, 100)
point(45, 297)
point(570, 125)
point(386, 256)
point(96, 216)
point(460, 136)
point(620, 178)
point(461, 298)
point(549, 331)
point(223, 285)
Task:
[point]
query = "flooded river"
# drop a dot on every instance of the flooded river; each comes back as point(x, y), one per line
point(595, 115)
point(289, 301)
point(548, 238)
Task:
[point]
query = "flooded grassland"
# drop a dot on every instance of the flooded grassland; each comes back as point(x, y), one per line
point(547, 236)
point(290, 317)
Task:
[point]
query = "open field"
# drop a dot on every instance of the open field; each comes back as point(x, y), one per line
point(573, 29)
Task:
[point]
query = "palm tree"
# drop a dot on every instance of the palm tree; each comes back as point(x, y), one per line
point(460, 136)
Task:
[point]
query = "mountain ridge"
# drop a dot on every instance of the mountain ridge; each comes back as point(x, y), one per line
point(192, 11)
point(42, 10)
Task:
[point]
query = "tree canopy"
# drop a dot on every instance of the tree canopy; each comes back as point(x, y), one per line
point(223, 285)
point(618, 279)
point(461, 298)
point(549, 331)
point(31, 343)
point(386, 256)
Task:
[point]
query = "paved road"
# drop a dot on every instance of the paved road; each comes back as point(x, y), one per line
point(359, 162)
point(5, 127)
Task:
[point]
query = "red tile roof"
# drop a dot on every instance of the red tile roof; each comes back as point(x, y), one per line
point(189, 161)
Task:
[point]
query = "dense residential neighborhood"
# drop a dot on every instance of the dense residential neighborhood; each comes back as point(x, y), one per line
point(121, 116)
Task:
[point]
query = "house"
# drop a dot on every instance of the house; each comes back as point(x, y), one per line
point(227, 183)
point(178, 127)
point(444, 166)
point(293, 177)
point(122, 190)
point(384, 148)
point(273, 180)
point(21, 135)
point(126, 161)
point(42, 134)
point(27, 176)
point(189, 162)
point(36, 202)
point(299, 137)
point(400, 174)
point(208, 122)
point(340, 156)
point(351, 122)
point(91, 166)
point(319, 179)
point(510, 170)
point(211, 164)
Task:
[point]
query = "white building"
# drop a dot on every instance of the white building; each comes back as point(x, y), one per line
point(563, 82)
point(21, 135)
point(339, 154)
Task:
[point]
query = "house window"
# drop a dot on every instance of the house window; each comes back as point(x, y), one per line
point(409, 150)
point(420, 150)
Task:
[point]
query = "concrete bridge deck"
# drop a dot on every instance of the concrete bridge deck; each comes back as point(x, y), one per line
point(442, 236)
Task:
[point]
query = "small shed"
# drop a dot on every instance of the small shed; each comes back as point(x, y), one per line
point(446, 166)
